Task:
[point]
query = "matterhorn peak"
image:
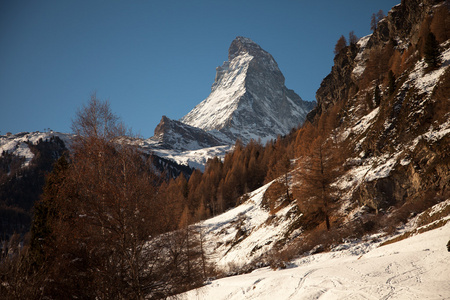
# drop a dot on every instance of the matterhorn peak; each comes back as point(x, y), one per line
point(248, 98)
point(244, 45)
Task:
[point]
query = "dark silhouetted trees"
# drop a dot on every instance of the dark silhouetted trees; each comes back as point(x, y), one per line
point(375, 19)
point(340, 44)
point(431, 52)
point(101, 224)
point(352, 38)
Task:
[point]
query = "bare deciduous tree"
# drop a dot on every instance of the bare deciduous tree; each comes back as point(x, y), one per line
point(318, 168)
point(96, 120)
point(102, 223)
point(352, 38)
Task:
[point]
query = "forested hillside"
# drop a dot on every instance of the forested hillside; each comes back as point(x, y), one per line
point(371, 157)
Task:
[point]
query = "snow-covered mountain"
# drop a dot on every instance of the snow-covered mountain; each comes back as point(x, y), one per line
point(19, 144)
point(248, 98)
point(390, 208)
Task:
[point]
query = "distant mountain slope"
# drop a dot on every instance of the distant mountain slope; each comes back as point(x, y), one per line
point(248, 98)
point(27, 157)
point(172, 134)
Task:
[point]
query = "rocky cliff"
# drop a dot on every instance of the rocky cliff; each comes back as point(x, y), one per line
point(394, 108)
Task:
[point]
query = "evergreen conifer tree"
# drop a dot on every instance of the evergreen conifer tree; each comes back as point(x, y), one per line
point(45, 213)
point(432, 52)
point(391, 79)
point(377, 95)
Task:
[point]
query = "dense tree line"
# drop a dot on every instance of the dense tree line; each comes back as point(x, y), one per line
point(307, 153)
point(101, 229)
point(223, 182)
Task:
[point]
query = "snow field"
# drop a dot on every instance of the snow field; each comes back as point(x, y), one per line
point(414, 268)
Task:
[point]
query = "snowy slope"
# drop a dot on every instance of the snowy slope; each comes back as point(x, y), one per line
point(217, 109)
point(196, 158)
point(399, 158)
point(246, 232)
point(414, 268)
point(17, 143)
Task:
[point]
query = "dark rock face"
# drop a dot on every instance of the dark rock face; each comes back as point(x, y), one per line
point(403, 22)
point(173, 134)
point(337, 85)
point(248, 98)
point(427, 177)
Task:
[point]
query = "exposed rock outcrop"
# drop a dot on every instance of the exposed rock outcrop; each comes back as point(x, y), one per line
point(172, 134)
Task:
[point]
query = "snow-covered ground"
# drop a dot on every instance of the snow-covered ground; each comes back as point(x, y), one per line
point(241, 234)
point(414, 268)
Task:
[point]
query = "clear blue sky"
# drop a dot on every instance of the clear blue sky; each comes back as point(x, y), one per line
point(153, 58)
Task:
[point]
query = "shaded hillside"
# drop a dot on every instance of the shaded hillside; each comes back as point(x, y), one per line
point(21, 186)
point(394, 106)
point(26, 160)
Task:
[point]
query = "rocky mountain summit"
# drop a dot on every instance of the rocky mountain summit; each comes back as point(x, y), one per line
point(172, 134)
point(248, 98)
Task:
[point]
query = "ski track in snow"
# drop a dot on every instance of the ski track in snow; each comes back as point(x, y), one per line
point(414, 268)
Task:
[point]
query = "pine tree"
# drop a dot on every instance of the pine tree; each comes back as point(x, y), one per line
point(319, 168)
point(373, 22)
point(380, 15)
point(391, 82)
point(375, 19)
point(45, 214)
point(377, 96)
point(431, 51)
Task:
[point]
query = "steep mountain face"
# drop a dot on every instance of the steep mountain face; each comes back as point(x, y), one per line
point(248, 98)
point(395, 109)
